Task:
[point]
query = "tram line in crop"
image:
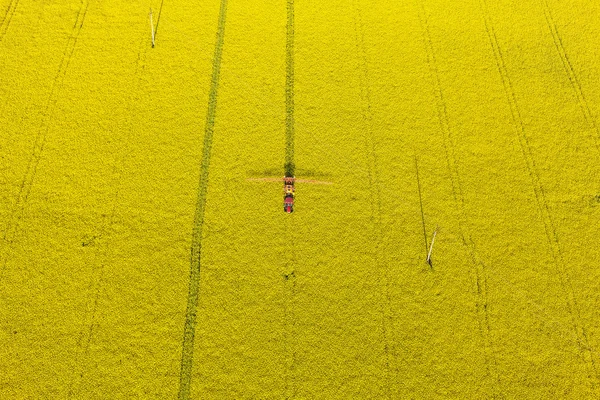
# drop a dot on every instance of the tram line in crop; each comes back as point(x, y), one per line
point(289, 91)
point(187, 351)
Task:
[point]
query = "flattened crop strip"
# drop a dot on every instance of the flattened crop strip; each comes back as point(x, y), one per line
point(585, 350)
point(289, 91)
point(478, 265)
point(40, 139)
point(187, 351)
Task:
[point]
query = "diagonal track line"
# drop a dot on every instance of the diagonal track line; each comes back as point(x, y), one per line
point(8, 16)
point(586, 352)
point(187, 351)
point(478, 267)
point(570, 71)
point(28, 179)
point(158, 19)
point(421, 203)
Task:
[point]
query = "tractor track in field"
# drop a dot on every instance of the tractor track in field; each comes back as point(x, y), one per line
point(585, 350)
point(105, 232)
point(387, 323)
point(290, 377)
point(289, 330)
point(158, 18)
point(2, 34)
point(40, 140)
point(7, 18)
point(289, 91)
point(570, 71)
point(189, 331)
point(421, 205)
point(478, 267)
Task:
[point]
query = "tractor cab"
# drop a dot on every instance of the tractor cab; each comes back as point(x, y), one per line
point(288, 203)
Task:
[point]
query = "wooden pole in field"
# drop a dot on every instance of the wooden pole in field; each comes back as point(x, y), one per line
point(152, 27)
point(431, 247)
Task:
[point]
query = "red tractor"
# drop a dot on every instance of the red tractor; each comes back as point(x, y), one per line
point(288, 188)
point(288, 194)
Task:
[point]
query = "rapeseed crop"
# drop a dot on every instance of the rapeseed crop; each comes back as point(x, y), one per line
point(145, 252)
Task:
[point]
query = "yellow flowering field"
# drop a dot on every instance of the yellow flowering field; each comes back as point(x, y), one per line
point(144, 248)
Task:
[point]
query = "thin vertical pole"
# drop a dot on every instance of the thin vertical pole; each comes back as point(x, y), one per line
point(431, 247)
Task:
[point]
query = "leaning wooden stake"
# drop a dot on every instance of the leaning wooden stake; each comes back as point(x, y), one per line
point(431, 247)
point(152, 27)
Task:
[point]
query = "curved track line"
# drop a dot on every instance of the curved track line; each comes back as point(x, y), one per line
point(187, 351)
point(478, 267)
point(586, 353)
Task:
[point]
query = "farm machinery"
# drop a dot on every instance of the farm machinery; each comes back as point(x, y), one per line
point(288, 193)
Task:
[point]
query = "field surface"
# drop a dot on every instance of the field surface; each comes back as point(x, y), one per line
point(145, 254)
